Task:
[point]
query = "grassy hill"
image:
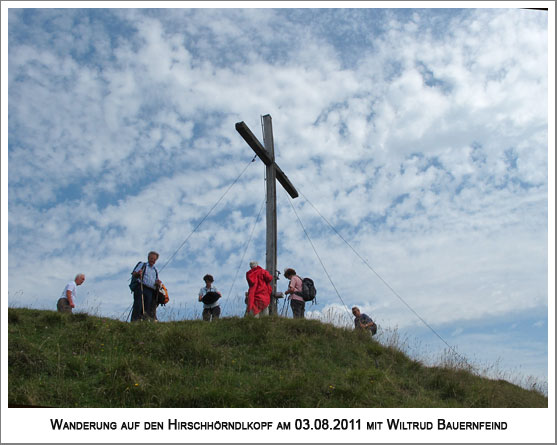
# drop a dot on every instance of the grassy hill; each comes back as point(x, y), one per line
point(78, 360)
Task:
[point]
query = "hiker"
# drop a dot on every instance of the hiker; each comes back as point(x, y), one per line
point(294, 293)
point(363, 321)
point(211, 308)
point(145, 293)
point(259, 293)
point(67, 301)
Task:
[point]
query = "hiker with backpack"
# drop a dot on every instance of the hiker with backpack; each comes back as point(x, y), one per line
point(363, 321)
point(295, 287)
point(67, 301)
point(145, 285)
point(259, 294)
point(209, 295)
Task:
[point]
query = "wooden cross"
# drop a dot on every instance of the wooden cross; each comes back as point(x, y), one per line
point(267, 155)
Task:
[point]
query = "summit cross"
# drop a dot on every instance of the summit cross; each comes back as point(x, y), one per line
point(267, 154)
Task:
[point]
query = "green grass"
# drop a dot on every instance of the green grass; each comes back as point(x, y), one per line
point(79, 360)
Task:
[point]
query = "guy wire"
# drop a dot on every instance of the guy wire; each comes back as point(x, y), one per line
point(384, 282)
point(243, 255)
point(318, 257)
point(208, 213)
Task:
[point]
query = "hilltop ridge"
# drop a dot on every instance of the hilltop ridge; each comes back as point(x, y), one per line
point(79, 360)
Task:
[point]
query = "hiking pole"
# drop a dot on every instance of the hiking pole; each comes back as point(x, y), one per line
point(284, 305)
point(142, 299)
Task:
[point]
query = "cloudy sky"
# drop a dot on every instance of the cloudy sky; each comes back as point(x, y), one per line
point(420, 135)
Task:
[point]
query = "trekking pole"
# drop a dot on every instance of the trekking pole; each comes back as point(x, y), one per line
point(142, 299)
point(284, 306)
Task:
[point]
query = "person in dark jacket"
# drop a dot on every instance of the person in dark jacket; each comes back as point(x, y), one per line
point(363, 321)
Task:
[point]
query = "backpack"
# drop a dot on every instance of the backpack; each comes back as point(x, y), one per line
point(210, 297)
point(135, 280)
point(308, 290)
point(162, 297)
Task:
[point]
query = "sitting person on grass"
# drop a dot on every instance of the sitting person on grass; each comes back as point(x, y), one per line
point(363, 321)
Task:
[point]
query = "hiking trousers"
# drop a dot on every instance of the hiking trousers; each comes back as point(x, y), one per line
point(211, 312)
point(148, 303)
point(298, 308)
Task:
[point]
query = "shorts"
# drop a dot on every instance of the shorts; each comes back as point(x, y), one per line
point(212, 312)
point(63, 305)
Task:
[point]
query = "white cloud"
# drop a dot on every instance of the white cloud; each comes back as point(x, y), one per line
point(426, 148)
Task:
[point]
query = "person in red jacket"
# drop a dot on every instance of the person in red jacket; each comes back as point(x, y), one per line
point(259, 294)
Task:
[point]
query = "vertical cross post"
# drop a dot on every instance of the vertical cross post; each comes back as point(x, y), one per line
point(271, 216)
point(273, 173)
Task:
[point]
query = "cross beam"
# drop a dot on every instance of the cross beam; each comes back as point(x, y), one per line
point(267, 155)
point(267, 159)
